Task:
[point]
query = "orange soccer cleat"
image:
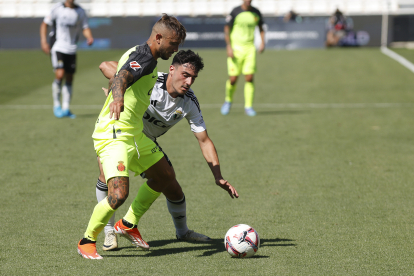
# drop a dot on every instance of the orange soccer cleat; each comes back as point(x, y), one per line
point(88, 251)
point(132, 234)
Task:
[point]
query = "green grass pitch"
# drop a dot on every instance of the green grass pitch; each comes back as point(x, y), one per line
point(326, 182)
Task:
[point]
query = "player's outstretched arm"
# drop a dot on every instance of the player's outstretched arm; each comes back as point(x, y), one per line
point(88, 35)
point(262, 36)
point(108, 69)
point(118, 88)
point(43, 38)
point(210, 154)
point(229, 49)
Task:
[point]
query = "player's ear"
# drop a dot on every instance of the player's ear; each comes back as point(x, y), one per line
point(158, 38)
point(172, 68)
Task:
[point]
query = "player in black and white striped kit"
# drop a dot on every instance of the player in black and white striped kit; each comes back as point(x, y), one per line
point(171, 101)
point(67, 21)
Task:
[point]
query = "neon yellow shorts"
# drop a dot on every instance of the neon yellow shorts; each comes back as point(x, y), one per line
point(244, 61)
point(121, 155)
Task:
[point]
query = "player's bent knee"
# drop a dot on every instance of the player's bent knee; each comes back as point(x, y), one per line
point(118, 191)
point(116, 199)
point(173, 191)
point(161, 172)
point(249, 78)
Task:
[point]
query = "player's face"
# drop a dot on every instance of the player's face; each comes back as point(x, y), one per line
point(247, 3)
point(183, 76)
point(169, 45)
point(70, 2)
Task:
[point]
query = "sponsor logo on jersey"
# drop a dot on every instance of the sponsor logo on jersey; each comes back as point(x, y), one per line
point(134, 65)
point(153, 120)
point(120, 166)
point(150, 91)
point(177, 114)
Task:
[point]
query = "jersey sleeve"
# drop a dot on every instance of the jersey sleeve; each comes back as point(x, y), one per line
point(195, 119)
point(139, 64)
point(261, 22)
point(230, 18)
point(51, 16)
point(85, 24)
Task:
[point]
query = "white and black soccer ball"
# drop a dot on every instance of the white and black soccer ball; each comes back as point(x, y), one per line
point(241, 241)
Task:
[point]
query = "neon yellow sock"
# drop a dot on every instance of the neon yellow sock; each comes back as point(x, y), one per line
point(100, 217)
point(248, 94)
point(229, 91)
point(142, 202)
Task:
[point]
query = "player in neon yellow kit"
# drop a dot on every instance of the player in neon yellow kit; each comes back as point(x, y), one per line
point(120, 143)
point(241, 52)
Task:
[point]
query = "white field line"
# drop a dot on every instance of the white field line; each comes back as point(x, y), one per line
point(398, 58)
point(258, 105)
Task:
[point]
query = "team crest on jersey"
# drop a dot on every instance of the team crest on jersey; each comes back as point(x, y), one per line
point(134, 65)
point(177, 114)
point(120, 166)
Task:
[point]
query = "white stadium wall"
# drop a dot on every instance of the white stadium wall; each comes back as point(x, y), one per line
point(204, 20)
point(110, 8)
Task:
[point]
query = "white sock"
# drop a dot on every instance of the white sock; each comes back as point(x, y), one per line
point(178, 210)
point(56, 90)
point(101, 193)
point(66, 96)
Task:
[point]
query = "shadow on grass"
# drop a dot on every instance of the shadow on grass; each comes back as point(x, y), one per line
point(281, 112)
point(206, 249)
point(87, 115)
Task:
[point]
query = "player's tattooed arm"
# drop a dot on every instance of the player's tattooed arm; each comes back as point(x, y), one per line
point(118, 88)
point(111, 80)
point(120, 84)
point(118, 190)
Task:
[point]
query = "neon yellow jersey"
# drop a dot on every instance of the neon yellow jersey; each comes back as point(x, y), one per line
point(142, 65)
point(242, 24)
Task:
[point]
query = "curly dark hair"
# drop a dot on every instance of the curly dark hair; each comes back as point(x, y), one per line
point(183, 57)
point(172, 23)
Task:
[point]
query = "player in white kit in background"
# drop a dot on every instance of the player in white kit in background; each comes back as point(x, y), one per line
point(67, 21)
point(168, 107)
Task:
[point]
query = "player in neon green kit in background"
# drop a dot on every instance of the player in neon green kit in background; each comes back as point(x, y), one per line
point(241, 52)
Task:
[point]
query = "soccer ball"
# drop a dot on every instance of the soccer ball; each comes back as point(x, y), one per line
point(241, 241)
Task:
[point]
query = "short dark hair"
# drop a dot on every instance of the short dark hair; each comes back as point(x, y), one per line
point(183, 57)
point(172, 23)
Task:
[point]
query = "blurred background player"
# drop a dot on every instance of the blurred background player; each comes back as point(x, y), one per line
point(67, 20)
point(120, 143)
point(241, 52)
point(169, 105)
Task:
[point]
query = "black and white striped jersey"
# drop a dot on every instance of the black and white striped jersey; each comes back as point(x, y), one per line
point(68, 25)
point(165, 111)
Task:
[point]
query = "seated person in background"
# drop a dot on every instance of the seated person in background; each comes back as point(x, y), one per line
point(337, 29)
point(292, 16)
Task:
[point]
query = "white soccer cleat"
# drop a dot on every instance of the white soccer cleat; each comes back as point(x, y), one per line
point(111, 241)
point(250, 111)
point(225, 108)
point(192, 236)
